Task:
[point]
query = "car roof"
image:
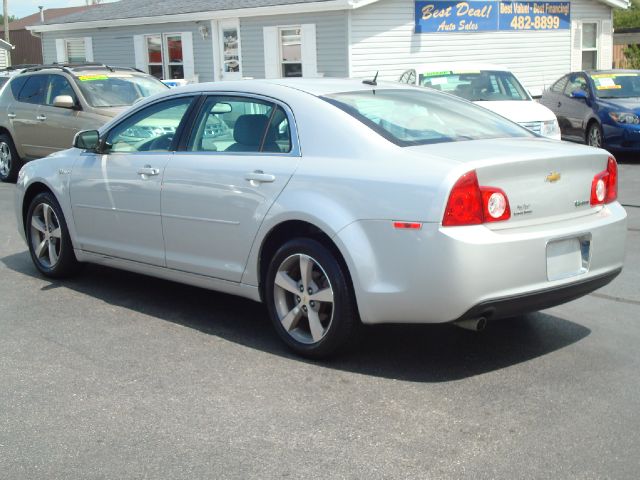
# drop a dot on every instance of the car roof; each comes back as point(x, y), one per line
point(313, 86)
point(80, 69)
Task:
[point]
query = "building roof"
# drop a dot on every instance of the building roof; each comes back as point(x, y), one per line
point(49, 15)
point(140, 8)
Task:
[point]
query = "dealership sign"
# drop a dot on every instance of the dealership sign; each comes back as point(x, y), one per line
point(486, 16)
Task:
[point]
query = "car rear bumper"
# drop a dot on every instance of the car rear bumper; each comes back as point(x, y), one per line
point(534, 301)
point(438, 275)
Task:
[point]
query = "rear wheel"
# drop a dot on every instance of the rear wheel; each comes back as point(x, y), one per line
point(594, 135)
point(10, 162)
point(48, 238)
point(310, 299)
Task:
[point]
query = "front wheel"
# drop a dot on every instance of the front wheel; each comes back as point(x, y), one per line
point(310, 299)
point(594, 135)
point(48, 237)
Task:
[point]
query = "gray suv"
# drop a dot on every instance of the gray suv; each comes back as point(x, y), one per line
point(43, 107)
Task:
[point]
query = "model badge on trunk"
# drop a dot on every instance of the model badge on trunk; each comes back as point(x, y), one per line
point(552, 177)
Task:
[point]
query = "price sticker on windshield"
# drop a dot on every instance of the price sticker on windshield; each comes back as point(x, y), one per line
point(89, 78)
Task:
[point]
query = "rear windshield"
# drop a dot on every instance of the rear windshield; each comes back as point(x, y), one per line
point(477, 86)
point(617, 85)
point(409, 117)
point(102, 90)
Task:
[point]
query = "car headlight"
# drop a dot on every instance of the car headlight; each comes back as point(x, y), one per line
point(550, 128)
point(625, 117)
point(21, 175)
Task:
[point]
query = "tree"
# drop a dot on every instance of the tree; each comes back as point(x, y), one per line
point(629, 18)
point(632, 54)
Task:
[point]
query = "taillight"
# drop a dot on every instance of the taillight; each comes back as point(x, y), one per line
point(604, 187)
point(471, 204)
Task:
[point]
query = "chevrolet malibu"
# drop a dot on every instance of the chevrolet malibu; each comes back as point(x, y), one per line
point(334, 202)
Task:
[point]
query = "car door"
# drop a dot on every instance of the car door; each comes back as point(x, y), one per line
point(575, 110)
point(115, 195)
point(58, 125)
point(24, 117)
point(239, 156)
point(554, 99)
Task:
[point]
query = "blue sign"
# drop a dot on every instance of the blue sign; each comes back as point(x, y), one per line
point(535, 16)
point(490, 15)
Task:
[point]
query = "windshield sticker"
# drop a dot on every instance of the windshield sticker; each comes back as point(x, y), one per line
point(436, 74)
point(89, 78)
point(607, 87)
point(466, 72)
point(614, 75)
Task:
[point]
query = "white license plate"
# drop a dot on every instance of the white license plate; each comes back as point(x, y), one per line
point(568, 257)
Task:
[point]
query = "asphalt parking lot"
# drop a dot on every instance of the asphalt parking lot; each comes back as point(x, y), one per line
point(116, 375)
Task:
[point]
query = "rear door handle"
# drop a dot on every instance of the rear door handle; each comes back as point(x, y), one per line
point(559, 104)
point(258, 176)
point(148, 171)
point(42, 118)
point(11, 115)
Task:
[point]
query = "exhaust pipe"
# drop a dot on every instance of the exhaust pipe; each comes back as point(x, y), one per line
point(474, 324)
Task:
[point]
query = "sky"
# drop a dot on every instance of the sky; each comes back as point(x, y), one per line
point(22, 8)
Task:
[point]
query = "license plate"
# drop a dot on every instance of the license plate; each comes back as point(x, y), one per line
point(568, 257)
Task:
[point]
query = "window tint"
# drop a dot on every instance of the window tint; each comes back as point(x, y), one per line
point(152, 129)
point(559, 86)
point(34, 89)
point(235, 124)
point(409, 117)
point(58, 85)
point(576, 82)
point(17, 83)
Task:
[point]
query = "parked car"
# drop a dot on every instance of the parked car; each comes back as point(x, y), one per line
point(333, 202)
point(601, 108)
point(491, 87)
point(43, 107)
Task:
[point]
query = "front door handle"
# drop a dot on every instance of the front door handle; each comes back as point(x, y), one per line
point(11, 115)
point(258, 176)
point(148, 171)
point(559, 104)
point(42, 118)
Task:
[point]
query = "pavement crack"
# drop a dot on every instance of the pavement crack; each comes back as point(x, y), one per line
point(616, 299)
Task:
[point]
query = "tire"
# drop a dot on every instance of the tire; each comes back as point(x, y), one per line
point(327, 319)
point(10, 162)
point(594, 136)
point(48, 238)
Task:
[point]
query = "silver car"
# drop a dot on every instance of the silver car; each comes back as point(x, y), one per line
point(334, 202)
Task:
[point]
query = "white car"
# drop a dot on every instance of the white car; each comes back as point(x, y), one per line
point(489, 86)
point(333, 202)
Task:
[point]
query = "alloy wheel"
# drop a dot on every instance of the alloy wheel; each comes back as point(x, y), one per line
point(303, 298)
point(5, 159)
point(595, 138)
point(46, 235)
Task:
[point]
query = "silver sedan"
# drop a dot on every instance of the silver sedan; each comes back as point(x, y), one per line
point(334, 202)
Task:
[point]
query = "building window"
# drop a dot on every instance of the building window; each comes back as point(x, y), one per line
point(291, 51)
point(75, 50)
point(589, 46)
point(164, 56)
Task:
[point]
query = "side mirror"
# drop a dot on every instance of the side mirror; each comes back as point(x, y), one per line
point(87, 140)
point(64, 101)
point(535, 92)
point(579, 93)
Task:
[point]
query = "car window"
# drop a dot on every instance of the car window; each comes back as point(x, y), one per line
point(476, 86)
point(151, 129)
point(123, 89)
point(17, 83)
point(236, 124)
point(409, 117)
point(58, 85)
point(34, 89)
point(576, 82)
point(560, 85)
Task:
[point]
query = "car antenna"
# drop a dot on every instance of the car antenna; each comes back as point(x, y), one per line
point(372, 82)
